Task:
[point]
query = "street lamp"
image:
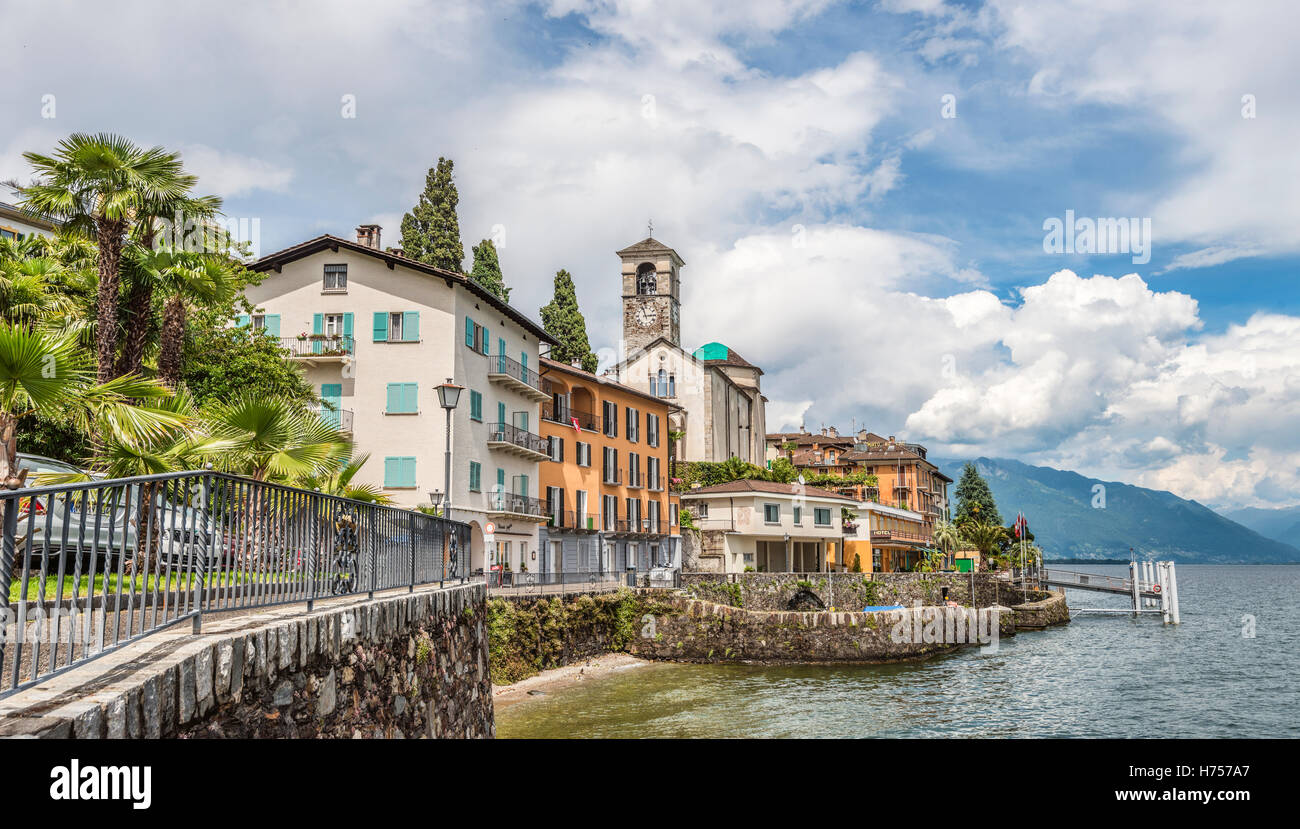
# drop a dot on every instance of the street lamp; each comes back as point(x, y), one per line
point(448, 397)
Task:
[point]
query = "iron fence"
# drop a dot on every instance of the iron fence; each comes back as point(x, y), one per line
point(86, 568)
point(499, 580)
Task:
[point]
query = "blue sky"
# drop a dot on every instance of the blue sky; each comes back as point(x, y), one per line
point(883, 263)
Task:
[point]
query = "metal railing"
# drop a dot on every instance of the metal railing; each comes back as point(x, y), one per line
point(501, 364)
point(340, 419)
point(87, 568)
point(318, 345)
point(509, 433)
point(586, 420)
point(572, 520)
point(517, 582)
point(519, 504)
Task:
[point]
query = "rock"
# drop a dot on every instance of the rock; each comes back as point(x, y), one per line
point(328, 696)
point(399, 705)
point(283, 694)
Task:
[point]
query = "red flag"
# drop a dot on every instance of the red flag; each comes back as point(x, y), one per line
point(576, 428)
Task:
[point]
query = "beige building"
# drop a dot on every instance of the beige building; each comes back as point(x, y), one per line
point(16, 223)
point(375, 333)
point(767, 526)
point(722, 408)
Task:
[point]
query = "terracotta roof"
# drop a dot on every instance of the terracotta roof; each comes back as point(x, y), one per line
point(274, 261)
point(811, 438)
point(756, 485)
point(881, 454)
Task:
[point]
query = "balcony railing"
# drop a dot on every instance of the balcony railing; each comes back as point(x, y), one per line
point(612, 476)
point(897, 535)
point(517, 504)
point(318, 345)
point(573, 520)
point(340, 419)
point(644, 526)
point(512, 435)
point(634, 478)
point(500, 365)
point(586, 420)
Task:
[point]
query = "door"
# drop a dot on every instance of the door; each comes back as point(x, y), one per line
point(332, 396)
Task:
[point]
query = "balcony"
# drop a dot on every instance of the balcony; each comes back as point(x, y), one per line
point(573, 520)
point(515, 376)
point(644, 526)
point(897, 535)
point(634, 478)
point(319, 349)
point(613, 477)
point(515, 506)
point(518, 441)
point(340, 419)
point(586, 420)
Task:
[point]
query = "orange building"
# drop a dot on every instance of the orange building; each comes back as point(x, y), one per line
point(606, 486)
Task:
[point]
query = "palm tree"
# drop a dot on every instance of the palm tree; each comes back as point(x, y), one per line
point(337, 480)
point(983, 537)
point(42, 372)
point(946, 537)
point(206, 279)
point(105, 183)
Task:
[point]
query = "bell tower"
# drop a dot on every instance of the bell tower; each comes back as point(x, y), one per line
point(651, 294)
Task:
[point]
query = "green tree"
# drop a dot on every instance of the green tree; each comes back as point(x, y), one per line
point(974, 499)
point(336, 479)
point(487, 270)
point(223, 362)
point(562, 319)
point(270, 438)
point(783, 471)
point(104, 183)
point(987, 538)
point(431, 231)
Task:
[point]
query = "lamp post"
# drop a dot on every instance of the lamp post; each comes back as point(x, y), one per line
point(448, 397)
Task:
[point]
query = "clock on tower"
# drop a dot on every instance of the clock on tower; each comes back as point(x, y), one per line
point(651, 294)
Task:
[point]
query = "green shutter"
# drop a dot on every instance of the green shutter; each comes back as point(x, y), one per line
point(501, 479)
point(347, 332)
point(242, 321)
point(381, 326)
point(399, 472)
point(272, 322)
point(411, 326)
point(411, 397)
point(402, 398)
point(391, 471)
point(487, 349)
point(469, 332)
point(317, 327)
point(501, 413)
point(408, 470)
point(523, 485)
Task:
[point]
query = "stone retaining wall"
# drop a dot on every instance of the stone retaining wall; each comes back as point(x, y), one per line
point(850, 591)
point(405, 665)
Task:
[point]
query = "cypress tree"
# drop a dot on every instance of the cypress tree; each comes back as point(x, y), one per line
point(487, 269)
point(972, 489)
point(563, 321)
point(431, 232)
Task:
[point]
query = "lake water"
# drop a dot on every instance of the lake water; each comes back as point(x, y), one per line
point(1099, 676)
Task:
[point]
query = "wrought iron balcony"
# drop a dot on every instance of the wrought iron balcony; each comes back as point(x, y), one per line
point(319, 347)
point(515, 375)
point(573, 520)
point(512, 504)
point(565, 416)
point(340, 419)
point(518, 441)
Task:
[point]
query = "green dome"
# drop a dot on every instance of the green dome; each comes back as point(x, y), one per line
point(711, 351)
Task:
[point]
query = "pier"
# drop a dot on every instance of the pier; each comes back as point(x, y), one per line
point(1152, 587)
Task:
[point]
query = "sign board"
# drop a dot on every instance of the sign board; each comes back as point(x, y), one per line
point(489, 533)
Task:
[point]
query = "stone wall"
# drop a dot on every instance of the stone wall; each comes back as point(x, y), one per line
point(408, 665)
point(850, 591)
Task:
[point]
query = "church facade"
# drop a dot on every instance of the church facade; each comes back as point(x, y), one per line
point(719, 394)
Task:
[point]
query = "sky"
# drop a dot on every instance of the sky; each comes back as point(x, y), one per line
point(871, 197)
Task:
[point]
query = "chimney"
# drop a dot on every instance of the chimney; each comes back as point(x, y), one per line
point(834, 432)
point(368, 235)
point(823, 431)
point(576, 363)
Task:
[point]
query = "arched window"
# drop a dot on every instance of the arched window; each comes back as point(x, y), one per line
point(646, 283)
point(663, 383)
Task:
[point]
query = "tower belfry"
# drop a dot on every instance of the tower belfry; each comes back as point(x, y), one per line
point(651, 279)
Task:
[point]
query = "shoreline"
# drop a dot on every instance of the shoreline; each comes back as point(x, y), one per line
point(555, 679)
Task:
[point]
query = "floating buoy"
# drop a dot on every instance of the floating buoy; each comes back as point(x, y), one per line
point(1155, 588)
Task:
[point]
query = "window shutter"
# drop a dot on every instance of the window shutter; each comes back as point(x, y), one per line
point(242, 320)
point(411, 326)
point(347, 325)
point(392, 468)
point(381, 326)
point(410, 398)
point(469, 332)
point(501, 413)
point(394, 397)
point(485, 348)
point(318, 323)
point(273, 324)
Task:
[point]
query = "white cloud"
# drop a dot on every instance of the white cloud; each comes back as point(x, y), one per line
point(231, 174)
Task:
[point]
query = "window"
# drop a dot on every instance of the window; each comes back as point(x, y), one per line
point(652, 472)
point(797, 516)
point(633, 469)
point(633, 424)
point(475, 476)
point(659, 384)
point(822, 517)
point(475, 405)
point(772, 513)
point(646, 283)
point(477, 337)
point(399, 473)
point(584, 454)
point(652, 429)
point(402, 398)
point(336, 279)
point(610, 475)
point(555, 505)
point(702, 509)
point(267, 323)
point(397, 326)
point(653, 515)
point(610, 412)
point(556, 449)
point(609, 511)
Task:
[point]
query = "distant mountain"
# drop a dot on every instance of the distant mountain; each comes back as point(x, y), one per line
point(1059, 506)
point(1282, 524)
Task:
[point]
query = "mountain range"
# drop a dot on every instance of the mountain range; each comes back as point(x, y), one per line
point(1071, 518)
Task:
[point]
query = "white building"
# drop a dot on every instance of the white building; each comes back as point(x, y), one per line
point(16, 223)
point(376, 333)
point(771, 527)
